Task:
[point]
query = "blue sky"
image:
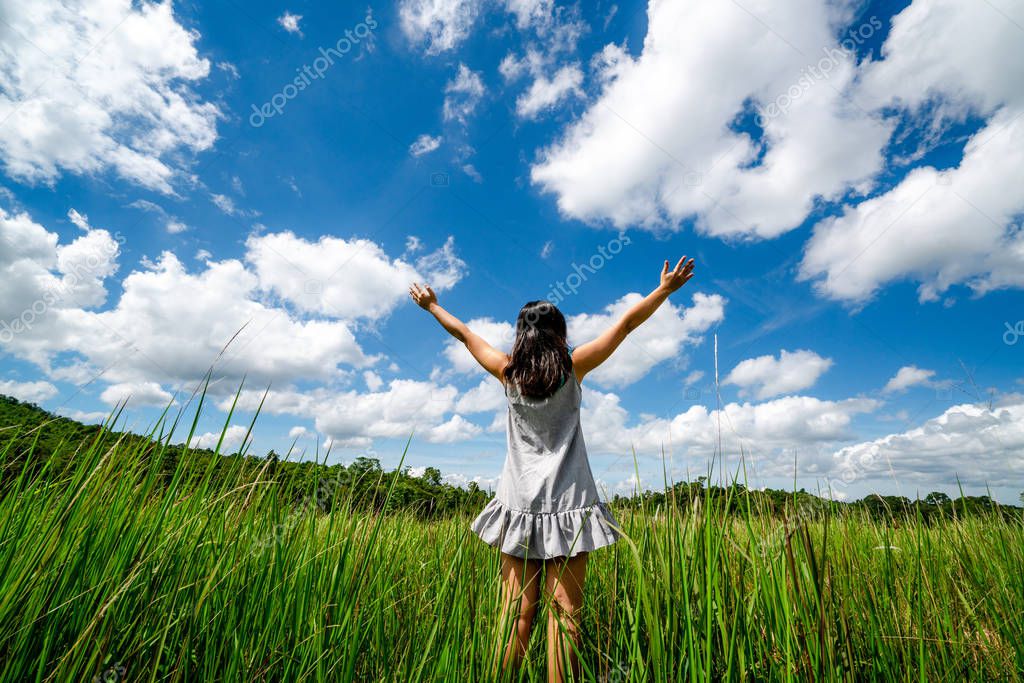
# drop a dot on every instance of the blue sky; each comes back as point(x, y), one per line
point(847, 175)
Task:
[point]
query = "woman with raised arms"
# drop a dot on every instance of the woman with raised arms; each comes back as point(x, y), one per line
point(547, 516)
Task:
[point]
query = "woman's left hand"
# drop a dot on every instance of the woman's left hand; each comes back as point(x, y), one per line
point(422, 295)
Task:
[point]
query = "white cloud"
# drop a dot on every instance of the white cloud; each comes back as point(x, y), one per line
point(97, 85)
point(413, 244)
point(756, 429)
point(530, 11)
point(944, 47)
point(545, 92)
point(233, 437)
point(225, 204)
point(977, 445)
point(31, 392)
point(136, 394)
point(86, 417)
point(230, 69)
point(351, 418)
point(172, 224)
point(290, 22)
point(694, 377)
point(908, 376)
point(462, 481)
point(942, 60)
point(342, 278)
point(546, 59)
point(939, 228)
point(767, 376)
point(440, 25)
point(487, 396)
point(457, 428)
point(660, 338)
point(470, 170)
point(498, 334)
point(666, 172)
point(424, 144)
point(462, 94)
point(170, 324)
point(546, 250)
point(38, 275)
point(373, 380)
point(298, 432)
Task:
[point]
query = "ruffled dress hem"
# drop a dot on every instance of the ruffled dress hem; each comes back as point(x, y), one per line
point(546, 535)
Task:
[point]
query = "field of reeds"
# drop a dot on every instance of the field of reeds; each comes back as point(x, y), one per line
point(113, 570)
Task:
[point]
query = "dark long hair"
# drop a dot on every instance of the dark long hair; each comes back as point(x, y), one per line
point(540, 360)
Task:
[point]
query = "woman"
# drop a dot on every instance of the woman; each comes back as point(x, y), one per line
point(546, 516)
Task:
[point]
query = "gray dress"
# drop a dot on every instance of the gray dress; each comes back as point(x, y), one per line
point(547, 504)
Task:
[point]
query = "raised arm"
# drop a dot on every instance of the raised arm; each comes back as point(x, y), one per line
point(588, 356)
point(492, 360)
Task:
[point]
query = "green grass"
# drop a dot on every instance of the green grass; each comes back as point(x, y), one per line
point(109, 568)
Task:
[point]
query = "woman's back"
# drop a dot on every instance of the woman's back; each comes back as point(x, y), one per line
point(547, 468)
point(547, 503)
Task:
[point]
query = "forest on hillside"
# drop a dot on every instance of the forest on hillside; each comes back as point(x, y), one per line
point(32, 439)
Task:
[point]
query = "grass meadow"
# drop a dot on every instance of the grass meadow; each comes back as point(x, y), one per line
point(112, 570)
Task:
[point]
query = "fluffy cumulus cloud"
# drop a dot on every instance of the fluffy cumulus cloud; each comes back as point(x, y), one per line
point(89, 86)
point(38, 275)
point(233, 438)
point(545, 93)
point(941, 61)
point(424, 144)
point(290, 22)
point(351, 418)
point(548, 60)
point(462, 94)
point(661, 338)
point(939, 228)
point(441, 25)
point(171, 323)
point(33, 392)
point(761, 431)
point(437, 25)
point(908, 376)
point(826, 122)
point(980, 445)
point(136, 394)
point(654, 149)
point(341, 278)
point(497, 333)
point(768, 376)
point(487, 396)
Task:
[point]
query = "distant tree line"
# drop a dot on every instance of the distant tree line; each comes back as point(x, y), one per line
point(739, 499)
point(33, 439)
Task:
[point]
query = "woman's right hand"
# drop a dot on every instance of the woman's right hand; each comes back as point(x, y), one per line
point(671, 280)
point(422, 295)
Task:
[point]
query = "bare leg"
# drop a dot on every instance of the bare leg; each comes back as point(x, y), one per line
point(563, 586)
point(520, 592)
